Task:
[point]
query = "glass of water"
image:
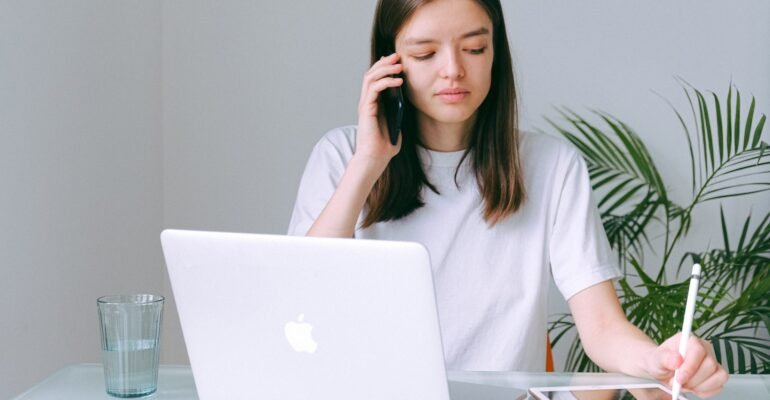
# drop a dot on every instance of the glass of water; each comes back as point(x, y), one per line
point(130, 328)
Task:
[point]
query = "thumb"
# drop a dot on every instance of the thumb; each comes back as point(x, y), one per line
point(671, 360)
point(664, 362)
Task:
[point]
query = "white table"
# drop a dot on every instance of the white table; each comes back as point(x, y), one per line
point(175, 382)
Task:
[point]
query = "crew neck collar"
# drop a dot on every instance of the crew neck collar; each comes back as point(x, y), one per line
point(440, 158)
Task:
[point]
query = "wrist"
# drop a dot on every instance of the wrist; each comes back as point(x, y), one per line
point(647, 365)
point(366, 168)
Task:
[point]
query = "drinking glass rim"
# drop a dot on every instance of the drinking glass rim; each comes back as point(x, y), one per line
point(138, 298)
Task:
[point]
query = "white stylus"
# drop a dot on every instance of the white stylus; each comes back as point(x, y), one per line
point(689, 310)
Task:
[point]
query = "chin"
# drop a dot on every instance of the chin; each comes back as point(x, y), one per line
point(453, 117)
point(450, 116)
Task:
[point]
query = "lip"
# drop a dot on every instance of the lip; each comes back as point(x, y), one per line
point(452, 95)
point(452, 91)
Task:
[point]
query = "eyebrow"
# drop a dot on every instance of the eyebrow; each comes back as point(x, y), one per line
point(416, 41)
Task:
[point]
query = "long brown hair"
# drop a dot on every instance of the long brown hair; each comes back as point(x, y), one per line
point(494, 140)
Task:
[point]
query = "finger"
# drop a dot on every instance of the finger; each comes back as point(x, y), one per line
point(387, 59)
point(666, 359)
point(384, 62)
point(385, 83)
point(712, 385)
point(693, 359)
point(369, 101)
point(373, 76)
point(379, 72)
point(666, 362)
point(706, 369)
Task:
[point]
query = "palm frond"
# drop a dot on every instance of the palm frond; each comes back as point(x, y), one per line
point(748, 260)
point(622, 170)
point(734, 145)
point(728, 158)
point(741, 353)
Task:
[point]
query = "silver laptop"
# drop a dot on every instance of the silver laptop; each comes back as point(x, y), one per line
point(279, 317)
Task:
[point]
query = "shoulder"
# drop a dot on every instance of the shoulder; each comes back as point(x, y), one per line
point(540, 150)
point(336, 144)
point(544, 145)
point(340, 137)
point(549, 164)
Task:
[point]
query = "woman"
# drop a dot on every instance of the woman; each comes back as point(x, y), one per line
point(500, 211)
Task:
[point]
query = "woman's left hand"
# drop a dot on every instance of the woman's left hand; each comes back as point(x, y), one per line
point(699, 371)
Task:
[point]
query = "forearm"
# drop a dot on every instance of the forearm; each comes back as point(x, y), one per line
point(619, 346)
point(612, 342)
point(339, 217)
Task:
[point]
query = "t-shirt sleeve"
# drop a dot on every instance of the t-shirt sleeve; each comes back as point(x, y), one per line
point(579, 250)
point(323, 172)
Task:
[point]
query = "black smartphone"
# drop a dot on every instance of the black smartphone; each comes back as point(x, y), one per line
point(394, 111)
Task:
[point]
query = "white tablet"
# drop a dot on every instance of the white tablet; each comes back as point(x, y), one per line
point(641, 391)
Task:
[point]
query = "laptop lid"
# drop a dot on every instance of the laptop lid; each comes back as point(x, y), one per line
point(271, 317)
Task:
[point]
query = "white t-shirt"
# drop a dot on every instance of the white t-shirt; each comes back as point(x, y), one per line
point(491, 282)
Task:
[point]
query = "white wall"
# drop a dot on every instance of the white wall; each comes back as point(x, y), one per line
point(120, 118)
point(249, 88)
point(621, 57)
point(80, 175)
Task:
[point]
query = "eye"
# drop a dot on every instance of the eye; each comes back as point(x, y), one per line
point(480, 50)
point(423, 56)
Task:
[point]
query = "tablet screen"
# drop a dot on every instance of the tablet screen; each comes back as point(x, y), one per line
point(649, 393)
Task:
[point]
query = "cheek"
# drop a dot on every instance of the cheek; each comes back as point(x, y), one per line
point(483, 80)
point(416, 85)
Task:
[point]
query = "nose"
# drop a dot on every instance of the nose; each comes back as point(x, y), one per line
point(452, 68)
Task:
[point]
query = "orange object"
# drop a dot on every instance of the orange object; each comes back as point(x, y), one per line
point(548, 355)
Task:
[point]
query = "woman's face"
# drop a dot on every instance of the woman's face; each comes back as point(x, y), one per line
point(446, 50)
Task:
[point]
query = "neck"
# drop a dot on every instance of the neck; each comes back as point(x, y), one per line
point(445, 136)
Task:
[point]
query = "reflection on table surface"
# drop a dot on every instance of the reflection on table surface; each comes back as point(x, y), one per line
point(86, 381)
point(610, 394)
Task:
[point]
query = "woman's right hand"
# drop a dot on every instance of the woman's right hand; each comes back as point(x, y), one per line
point(372, 155)
point(372, 140)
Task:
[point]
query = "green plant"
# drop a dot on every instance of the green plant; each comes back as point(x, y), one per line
point(728, 159)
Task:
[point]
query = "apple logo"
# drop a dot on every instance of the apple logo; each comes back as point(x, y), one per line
point(300, 335)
